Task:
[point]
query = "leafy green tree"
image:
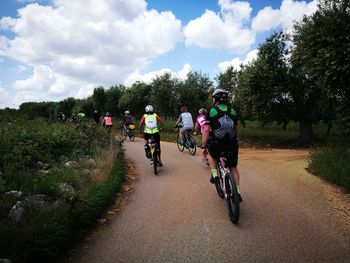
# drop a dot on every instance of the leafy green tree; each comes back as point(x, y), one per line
point(228, 79)
point(322, 47)
point(99, 99)
point(135, 98)
point(194, 92)
point(113, 95)
point(162, 94)
point(33, 110)
point(66, 106)
point(262, 86)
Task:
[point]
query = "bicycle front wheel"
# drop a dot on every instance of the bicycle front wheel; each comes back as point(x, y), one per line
point(232, 198)
point(179, 145)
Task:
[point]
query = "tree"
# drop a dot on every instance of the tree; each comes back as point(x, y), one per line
point(113, 95)
point(322, 47)
point(66, 106)
point(162, 94)
point(262, 86)
point(135, 98)
point(194, 92)
point(228, 79)
point(99, 99)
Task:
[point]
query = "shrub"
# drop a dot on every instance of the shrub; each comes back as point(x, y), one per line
point(332, 163)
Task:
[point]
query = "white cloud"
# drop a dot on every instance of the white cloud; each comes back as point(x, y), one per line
point(289, 12)
point(148, 77)
point(45, 84)
point(20, 68)
point(84, 42)
point(5, 97)
point(237, 62)
point(224, 30)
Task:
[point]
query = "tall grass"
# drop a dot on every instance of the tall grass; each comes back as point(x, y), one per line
point(46, 231)
point(332, 163)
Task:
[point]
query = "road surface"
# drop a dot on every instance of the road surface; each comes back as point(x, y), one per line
point(287, 214)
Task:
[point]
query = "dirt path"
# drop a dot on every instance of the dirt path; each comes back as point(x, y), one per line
point(287, 215)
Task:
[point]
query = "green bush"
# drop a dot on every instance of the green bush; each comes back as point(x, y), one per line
point(332, 163)
point(46, 231)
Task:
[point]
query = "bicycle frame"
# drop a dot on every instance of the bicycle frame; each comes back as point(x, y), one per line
point(228, 187)
point(152, 146)
point(223, 173)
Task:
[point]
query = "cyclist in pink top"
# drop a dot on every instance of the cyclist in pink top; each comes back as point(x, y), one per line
point(107, 121)
point(200, 122)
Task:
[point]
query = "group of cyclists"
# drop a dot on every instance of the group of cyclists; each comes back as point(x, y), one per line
point(218, 127)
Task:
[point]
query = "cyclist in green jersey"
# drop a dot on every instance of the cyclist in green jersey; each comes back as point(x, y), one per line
point(220, 135)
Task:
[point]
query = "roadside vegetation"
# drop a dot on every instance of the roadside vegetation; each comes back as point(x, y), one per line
point(56, 180)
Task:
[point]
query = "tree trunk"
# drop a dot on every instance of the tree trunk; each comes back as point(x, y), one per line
point(305, 128)
point(285, 123)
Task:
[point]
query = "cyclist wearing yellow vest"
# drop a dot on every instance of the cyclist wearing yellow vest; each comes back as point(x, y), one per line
point(150, 120)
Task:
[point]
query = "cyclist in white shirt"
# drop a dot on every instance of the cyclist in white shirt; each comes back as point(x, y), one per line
point(187, 123)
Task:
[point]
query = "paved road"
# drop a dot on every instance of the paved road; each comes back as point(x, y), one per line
point(287, 215)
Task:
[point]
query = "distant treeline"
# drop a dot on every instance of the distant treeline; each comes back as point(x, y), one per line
point(302, 77)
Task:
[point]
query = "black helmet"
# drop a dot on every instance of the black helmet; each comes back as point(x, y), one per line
point(221, 95)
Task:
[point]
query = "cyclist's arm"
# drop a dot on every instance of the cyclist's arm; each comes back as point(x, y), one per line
point(160, 121)
point(205, 135)
point(178, 121)
point(142, 121)
point(196, 127)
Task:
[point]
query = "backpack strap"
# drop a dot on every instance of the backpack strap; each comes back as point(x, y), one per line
point(222, 113)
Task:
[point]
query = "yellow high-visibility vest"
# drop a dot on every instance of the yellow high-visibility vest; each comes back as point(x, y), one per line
point(151, 123)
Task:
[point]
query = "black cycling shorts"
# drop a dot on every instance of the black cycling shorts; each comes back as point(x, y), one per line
point(156, 137)
point(216, 147)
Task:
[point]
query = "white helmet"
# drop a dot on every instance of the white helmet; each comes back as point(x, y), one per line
point(149, 108)
point(202, 111)
point(127, 112)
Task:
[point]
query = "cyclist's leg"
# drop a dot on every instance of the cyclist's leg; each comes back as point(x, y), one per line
point(213, 155)
point(181, 134)
point(146, 147)
point(232, 163)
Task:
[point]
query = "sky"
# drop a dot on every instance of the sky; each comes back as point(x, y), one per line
point(54, 49)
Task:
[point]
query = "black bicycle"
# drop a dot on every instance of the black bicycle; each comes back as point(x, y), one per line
point(189, 142)
point(154, 150)
point(128, 132)
point(227, 188)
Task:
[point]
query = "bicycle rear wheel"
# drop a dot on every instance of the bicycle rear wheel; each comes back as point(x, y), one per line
point(155, 162)
point(124, 134)
point(179, 145)
point(132, 135)
point(232, 198)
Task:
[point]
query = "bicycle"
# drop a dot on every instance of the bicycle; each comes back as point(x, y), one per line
point(128, 131)
point(190, 142)
point(153, 146)
point(227, 188)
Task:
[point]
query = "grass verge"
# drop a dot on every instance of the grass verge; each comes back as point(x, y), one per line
point(332, 163)
point(61, 204)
